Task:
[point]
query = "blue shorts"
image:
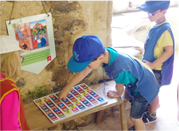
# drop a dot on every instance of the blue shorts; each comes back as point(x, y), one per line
point(138, 107)
point(158, 75)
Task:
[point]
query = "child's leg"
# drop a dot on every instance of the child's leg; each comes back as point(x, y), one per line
point(138, 124)
point(155, 103)
point(154, 106)
point(150, 116)
point(137, 109)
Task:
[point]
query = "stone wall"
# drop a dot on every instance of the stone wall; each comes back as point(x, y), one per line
point(71, 19)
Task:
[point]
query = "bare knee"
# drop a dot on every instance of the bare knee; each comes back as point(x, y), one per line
point(134, 120)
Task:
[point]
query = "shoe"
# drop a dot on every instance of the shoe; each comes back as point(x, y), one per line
point(131, 129)
point(149, 118)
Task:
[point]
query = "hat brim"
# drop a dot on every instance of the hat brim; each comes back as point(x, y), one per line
point(147, 8)
point(77, 66)
point(9, 44)
point(14, 49)
point(24, 51)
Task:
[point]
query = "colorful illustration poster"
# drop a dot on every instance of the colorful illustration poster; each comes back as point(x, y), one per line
point(35, 35)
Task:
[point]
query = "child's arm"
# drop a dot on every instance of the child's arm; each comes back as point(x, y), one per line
point(118, 92)
point(168, 51)
point(75, 80)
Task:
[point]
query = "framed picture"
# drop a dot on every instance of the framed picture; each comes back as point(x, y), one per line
point(35, 36)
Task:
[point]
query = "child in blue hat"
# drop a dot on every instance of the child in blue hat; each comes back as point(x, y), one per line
point(159, 49)
point(139, 80)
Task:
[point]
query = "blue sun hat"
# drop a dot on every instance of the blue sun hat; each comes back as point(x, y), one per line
point(153, 6)
point(85, 49)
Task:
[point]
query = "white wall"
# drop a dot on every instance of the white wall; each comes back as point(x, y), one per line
point(123, 6)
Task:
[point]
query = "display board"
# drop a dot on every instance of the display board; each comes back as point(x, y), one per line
point(79, 99)
point(36, 36)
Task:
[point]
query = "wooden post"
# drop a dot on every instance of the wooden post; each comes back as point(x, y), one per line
point(99, 116)
point(123, 118)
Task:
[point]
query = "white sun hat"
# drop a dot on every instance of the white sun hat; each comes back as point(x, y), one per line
point(8, 44)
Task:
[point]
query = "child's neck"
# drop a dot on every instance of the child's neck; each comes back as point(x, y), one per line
point(106, 58)
point(159, 21)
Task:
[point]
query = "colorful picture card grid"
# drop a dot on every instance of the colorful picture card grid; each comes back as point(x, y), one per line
point(80, 98)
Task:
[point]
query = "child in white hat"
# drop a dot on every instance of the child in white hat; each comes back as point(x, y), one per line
point(11, 102)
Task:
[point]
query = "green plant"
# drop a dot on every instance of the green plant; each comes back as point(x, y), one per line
point(39, 91)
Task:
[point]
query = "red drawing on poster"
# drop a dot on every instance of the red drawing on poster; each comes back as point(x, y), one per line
point(48, 58)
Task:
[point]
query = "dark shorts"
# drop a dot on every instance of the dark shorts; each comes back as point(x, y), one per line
point(158, 75)
point(138, 107)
